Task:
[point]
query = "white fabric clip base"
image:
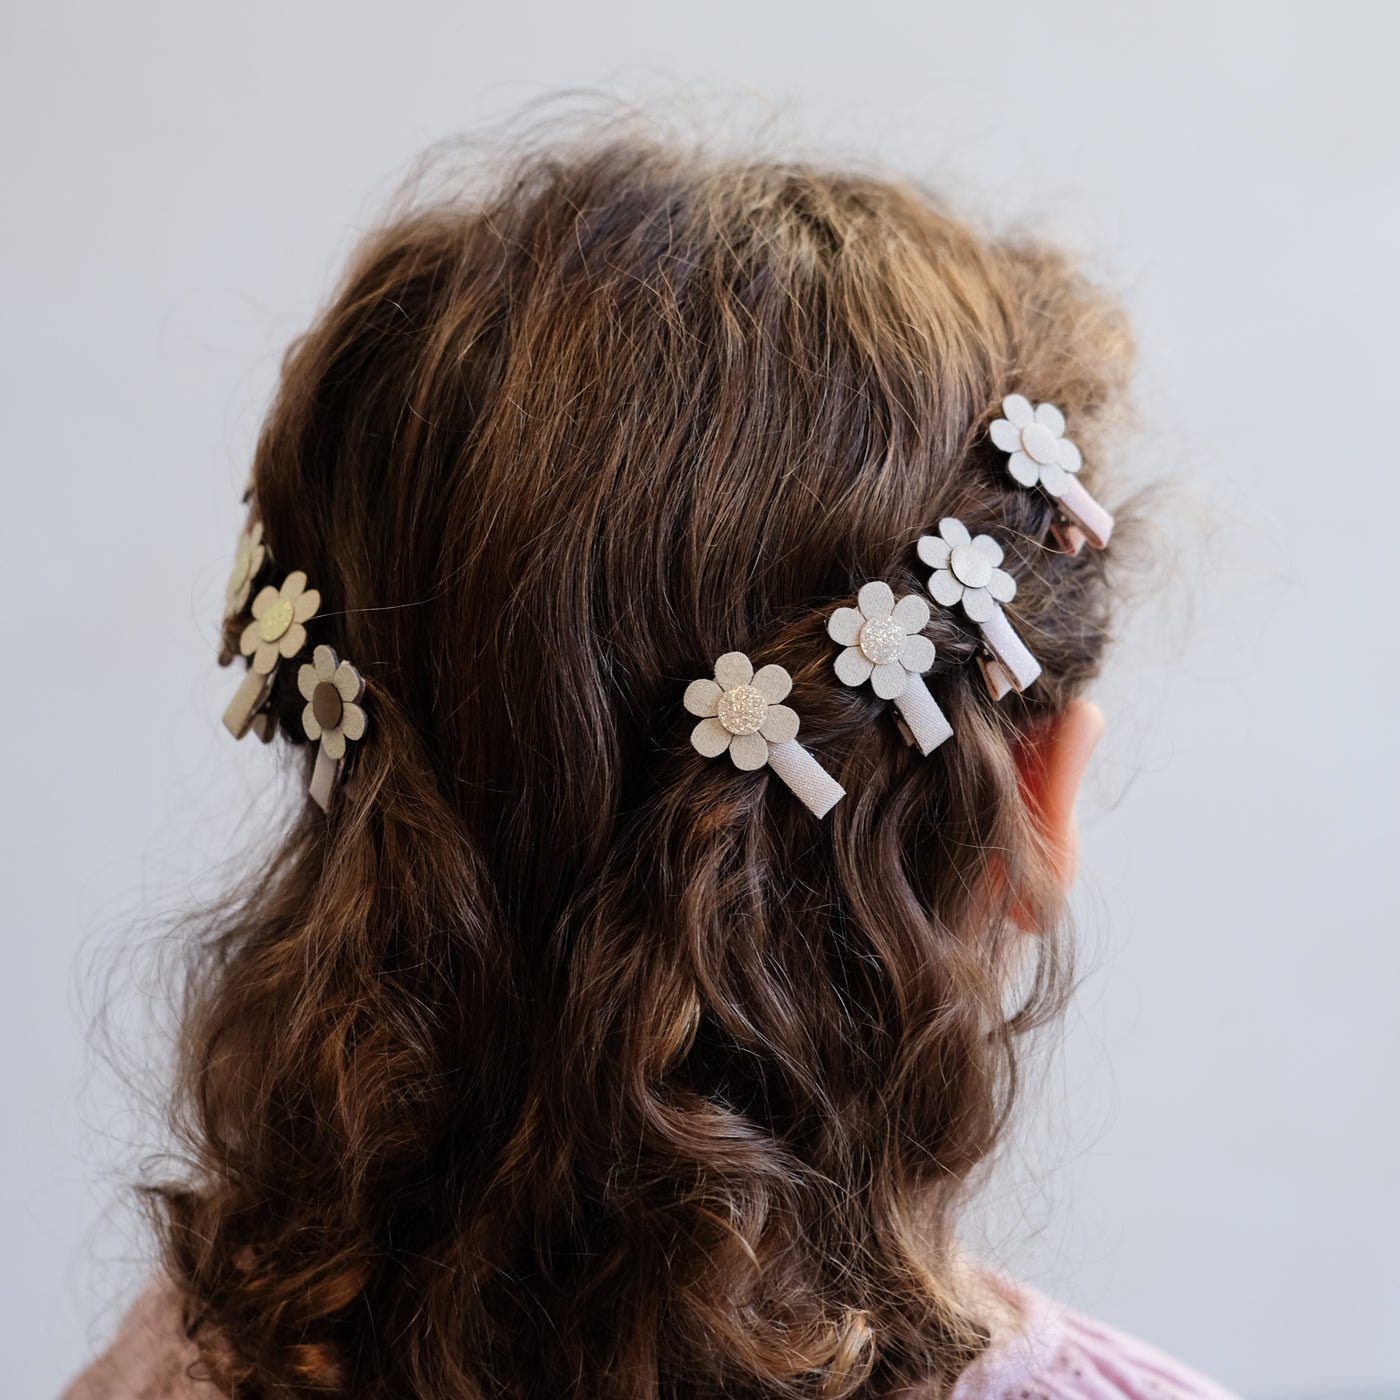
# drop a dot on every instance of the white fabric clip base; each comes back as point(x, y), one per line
point(817, 790)
point(927, 723)
point(1088, 515)
point(1020, 666)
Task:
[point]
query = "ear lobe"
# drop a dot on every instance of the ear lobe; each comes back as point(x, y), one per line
point(1051, 762)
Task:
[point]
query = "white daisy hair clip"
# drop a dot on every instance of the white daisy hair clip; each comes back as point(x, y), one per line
point(884, 644)
point(332, 689)
point(741, 713)
point(968, 571)
point(1041, 455)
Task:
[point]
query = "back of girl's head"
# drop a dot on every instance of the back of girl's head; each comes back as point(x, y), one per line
point(556, 1059)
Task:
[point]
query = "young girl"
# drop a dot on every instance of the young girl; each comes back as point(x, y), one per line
point(677, 581)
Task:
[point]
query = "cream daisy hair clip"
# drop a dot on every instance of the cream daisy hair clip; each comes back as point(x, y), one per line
point(276, 633)
point(741, 713)
point(332, 689)
point(884, 645)
point(1041, 455)
point(968, 571)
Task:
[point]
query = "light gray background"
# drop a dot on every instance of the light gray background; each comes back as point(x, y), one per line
point(1216, 1169)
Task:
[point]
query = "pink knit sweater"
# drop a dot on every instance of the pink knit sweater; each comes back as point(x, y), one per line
point(1055, 1355)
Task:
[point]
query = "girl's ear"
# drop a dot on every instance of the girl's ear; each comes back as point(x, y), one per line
point(1051, 762)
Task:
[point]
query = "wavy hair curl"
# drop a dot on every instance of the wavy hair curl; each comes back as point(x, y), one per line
point(556, 1060)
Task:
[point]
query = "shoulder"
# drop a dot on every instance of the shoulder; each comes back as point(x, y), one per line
point(149, 1358)
point(1058, 1354)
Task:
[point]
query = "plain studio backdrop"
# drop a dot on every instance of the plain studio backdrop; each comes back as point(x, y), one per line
point(1215, 1166)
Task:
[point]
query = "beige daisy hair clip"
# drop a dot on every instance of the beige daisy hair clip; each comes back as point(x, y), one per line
point(884, 645)
point(247, 564)
point(741, 713)
point(333, 716)
point(967, 571)
point(276, 633)
point(1041, 455)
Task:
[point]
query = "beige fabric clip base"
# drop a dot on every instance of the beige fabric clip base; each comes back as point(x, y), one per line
point(323, 778)
point(248, 699)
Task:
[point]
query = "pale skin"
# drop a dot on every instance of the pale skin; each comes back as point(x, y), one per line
point(1052, 767)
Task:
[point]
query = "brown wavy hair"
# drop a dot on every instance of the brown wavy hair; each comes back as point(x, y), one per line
point(556, 1060)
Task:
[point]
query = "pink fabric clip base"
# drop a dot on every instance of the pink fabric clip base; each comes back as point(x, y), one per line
point(1090, 518)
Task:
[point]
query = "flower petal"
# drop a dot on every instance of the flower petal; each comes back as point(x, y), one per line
point(844, 626)
point(876, 599)
point(945, 588)
point(733, 669)
point(292, 640)
point(309, 723)
point(989, 549)
point(853, 667)
point(780, 725)
point(1053, 479)
point(773, 683)
point(954, 531)
point(306, 605)
point(889, 680)
point(1005, 434)
point(265, 657)
point(293, 584)
point(934, 551)
point(912, 613)
point(1048, 416)
point(266, 598)
point(333, 742)
point(702, 697)
point(1001, 586)
point(352, 722)
point(1024, 471)
point(749, 751)
point(249, 640)
point(1070, 458)
point(307, 681)
point(1017, 408)
point(918, 654)
point(978, 604)
point(348, 682)
point(709, 738)
point(323, 663)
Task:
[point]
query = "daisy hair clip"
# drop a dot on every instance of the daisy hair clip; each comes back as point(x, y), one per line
point(333, 716)
point(884, 644)
point(967, 571)
point(332, 690)
point(1041, 455)
point(741, 713)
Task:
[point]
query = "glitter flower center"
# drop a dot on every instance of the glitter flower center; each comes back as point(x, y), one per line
point(327, 705)
point(970, 566)
point(1038, 443)
point(742, 710)
point(275, 621)
point(882, 640)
